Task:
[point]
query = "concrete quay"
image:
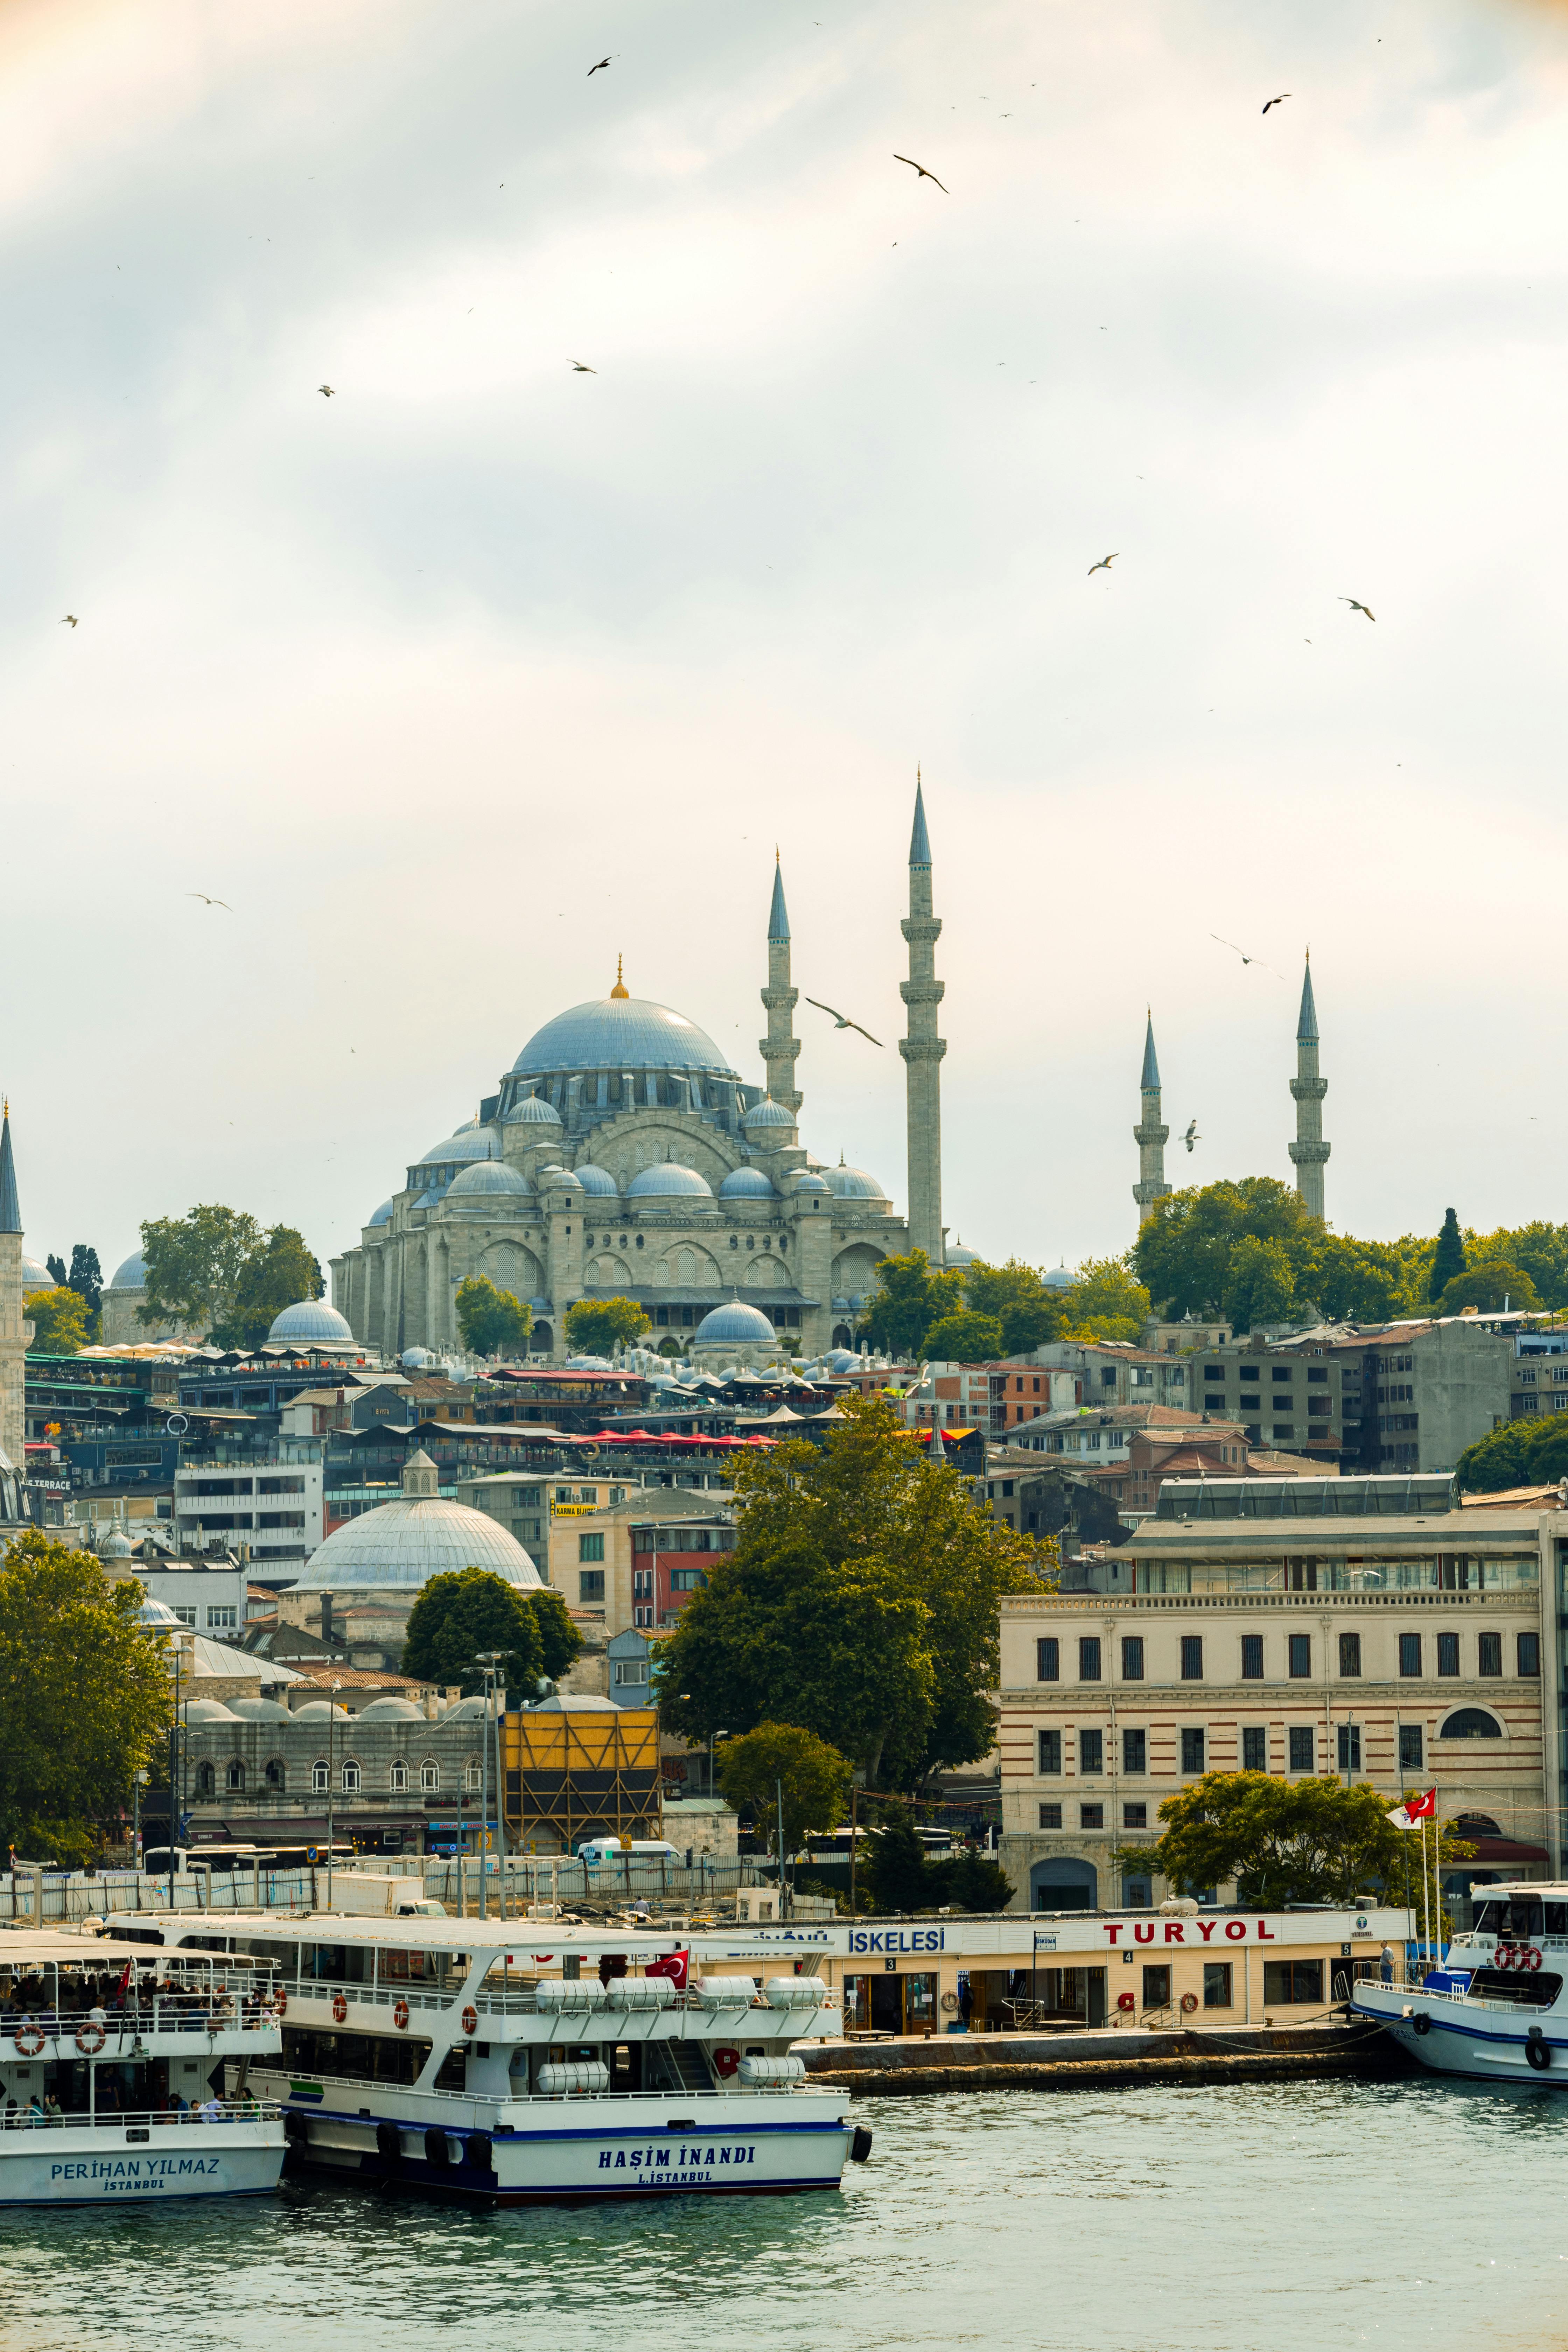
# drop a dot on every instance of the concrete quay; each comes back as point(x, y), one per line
point(1106, 2058)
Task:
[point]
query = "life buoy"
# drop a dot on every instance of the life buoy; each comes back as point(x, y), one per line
point(29, 2042)
point(1189, 2002)
point(1421, 2023)
point(1532, 1958)
point(1127, 2001)
point(470, 2019)
point(340, 2008)
point(89, 2038)
point(400, 2015)
point(1538, 2053)
point(280, 2001)
point(725, 2063)
point(950, 2002)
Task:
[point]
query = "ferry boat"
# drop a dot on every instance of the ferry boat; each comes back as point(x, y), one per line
point(525, 2062)
point(1496, 2011)
point(112, 2074)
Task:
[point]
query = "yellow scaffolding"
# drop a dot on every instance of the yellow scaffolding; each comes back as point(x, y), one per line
point(573, 1773)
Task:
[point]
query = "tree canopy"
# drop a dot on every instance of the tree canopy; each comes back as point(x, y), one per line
point(1031, 1314)
point(814, 1777)
point(279, 1271)
point(84, 1698)
point(1448, 1256)
point(860, 1602)
point(595, 1326)
point(59, 1319)
point(1530, 1452)
point(1493, 1283)
point(1249, 1250)
point(963, 1338)
point(909, 1296)
point(86, 1275)
point(217, 1271)
point(1282, 1842)
point(471, 1610)
point(1106, 1301)
point(896, 1874)
point(492, 1322)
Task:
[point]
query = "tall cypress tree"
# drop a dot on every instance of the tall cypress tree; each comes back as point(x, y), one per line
point(1448, 1258)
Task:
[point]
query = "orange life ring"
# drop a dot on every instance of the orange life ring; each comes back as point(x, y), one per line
point(340, 2008)
point(470, 2019)
point(280, 2001)
point(89, 2038)
point(400, 2015)
point(1127, 2000)
point(29, 2042)
point(1189, 2002)
point(725, 2062)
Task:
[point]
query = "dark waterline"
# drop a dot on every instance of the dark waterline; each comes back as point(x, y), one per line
point(1282, 2218)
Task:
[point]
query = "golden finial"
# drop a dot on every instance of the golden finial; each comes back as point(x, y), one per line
point(620, 989)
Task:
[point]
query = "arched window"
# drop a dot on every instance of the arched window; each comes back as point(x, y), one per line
point(318, 1778)
point(236, 1774)
point(1469, 1723)
point(399, 1778)
point(1474, 1825)
point(276, 1778)
point(205, 1781)
point(429, 1778)
point(351, 1780)
point(471, 1774)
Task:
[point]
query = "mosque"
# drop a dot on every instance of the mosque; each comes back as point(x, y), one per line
point(622, 1157)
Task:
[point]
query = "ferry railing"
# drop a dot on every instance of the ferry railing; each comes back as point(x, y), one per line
point(141, 2119)
point(334, 2085)
point(107, 2036)
point(522, 2003)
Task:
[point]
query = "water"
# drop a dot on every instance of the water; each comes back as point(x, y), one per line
point(1282, 2218)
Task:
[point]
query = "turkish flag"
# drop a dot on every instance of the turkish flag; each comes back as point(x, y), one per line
point(673, 1965)
point(1414, 1811)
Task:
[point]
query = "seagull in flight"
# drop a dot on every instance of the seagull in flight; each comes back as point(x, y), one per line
point(68, 617)
point(210, 902)
point(1192, 1135)
point(600, 67)
point(936, 183)
point(1278, 101)
point(842, 1019)
point(1104, 564)
point(582, 370)
point(325, 390)
point(1357, 606)
point(1246, 958)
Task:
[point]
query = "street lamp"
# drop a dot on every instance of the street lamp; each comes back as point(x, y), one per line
point(331, 1722)
point(138, 1782)
point(489, 1663)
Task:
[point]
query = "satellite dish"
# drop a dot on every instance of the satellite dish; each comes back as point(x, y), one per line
point(176, 1425)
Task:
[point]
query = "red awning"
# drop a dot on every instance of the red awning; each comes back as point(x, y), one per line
point(1502, 1849)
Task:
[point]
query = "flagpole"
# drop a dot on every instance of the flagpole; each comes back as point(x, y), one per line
point(1426, 1916)
point(1437, 1878)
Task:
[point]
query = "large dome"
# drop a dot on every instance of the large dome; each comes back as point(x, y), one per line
point(732, 1325)
point(400, 1546)
point(853, 1184)
point(311, 1323)
point(35, 1276)
point(745, 1184)
point(619, 1033)
point(470, 1142)
point(132, 1274)
point(664, 1180)
point(484, 1177)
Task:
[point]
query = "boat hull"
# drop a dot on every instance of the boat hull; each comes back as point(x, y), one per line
point(1451, 2036)
point(102, 2166)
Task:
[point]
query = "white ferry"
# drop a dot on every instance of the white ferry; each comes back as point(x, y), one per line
point(525, 2063)
point(112, 2074)
point(1496, 2010)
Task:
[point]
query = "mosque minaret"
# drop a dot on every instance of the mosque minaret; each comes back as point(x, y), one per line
point(1308, 1151)
point(781, 1048)
point(1151, 1135)
point(922, 1049)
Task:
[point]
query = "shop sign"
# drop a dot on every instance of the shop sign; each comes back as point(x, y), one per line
point(898, 1939)
point(1203, 1931)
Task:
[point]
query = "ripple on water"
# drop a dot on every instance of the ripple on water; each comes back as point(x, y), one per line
point(1278, 2218)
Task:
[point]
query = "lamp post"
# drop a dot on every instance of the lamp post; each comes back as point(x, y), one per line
point(138, 1782)
point(486, 1662)
point(331, 1723)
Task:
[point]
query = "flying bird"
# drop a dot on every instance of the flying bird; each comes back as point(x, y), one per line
point(68, 617)
point(1192, 1135)
point(582, 370)
point(1357, 606)
point(1103, 565)
point(1278, 101)
point(325, 390)
point(1246, 958)
point(842, 1019)
point(600, 67)
point(210, 902)
point(924, 175)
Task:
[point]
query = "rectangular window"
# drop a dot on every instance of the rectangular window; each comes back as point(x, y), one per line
point(1410, 1655)
point(1090, 1752)
point(1216, 1985)
point(590, 1547)
point(1252, 1657)
point(591, 1584)
point(1291, 1983)
point(1301, 1745)
point(1192, 1751)
point(1448, 1654)
point(1410, 1746)
point(1350, 1746)
point(1048, 1660)
point(1092, 1817)
point(1089, 1658)
point(1255, 1748)
point(1529, 1653)
point(1050, 1761)
point(1301, 1657)
point(220, 1620)
point(1350, 1655)
point(1050, 1817)
point(1135, 1817)
point(1490, 1661)
point(1157, 1987)
point(1135, 1752)
point(1192, 1657)
point(1132, 1658)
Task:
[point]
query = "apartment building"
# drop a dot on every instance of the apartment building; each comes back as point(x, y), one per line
point(272, 1511)
point(991, 1398)
point(1422, 1648)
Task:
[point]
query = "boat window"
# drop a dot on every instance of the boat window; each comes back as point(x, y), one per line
point(452, 2074)
point(358, 2057)
point(337, 1963)
point(1521, 1990)
point(1487, 1916)
point(1557, 1919)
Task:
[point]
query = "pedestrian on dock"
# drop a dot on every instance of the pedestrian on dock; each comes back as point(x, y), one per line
point(1385, 1964)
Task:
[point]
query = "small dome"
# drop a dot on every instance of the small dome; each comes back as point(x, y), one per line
point(155, 1615)
point(745, 1184)
point(854, 1185)
point(311, 1323)
point(470, 1142)
point(412, 1358)
point(485, 1178)
point(842, 1359)
point(532, 1110)
point(956, 1255)
point(667, 1179)
point(805, 1180)
point(386, 1709)
point(383, 1215)
point(319, 1709)
point(735, 1324)
point(597, 1180)
point(259, 1711)
point(467, 1710)
point(35, 1276)
point(116, 1545)
point(555, 1178)
point(767, 1113)
point(839, 1307)
point(209, 1710)
point(587, 1364)
point(130, 1273)
point(1059, 1278)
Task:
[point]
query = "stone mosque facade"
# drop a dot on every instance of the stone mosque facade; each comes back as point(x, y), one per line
point(622, 1157)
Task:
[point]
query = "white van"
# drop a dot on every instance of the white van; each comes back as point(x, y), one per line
point(611, 1849)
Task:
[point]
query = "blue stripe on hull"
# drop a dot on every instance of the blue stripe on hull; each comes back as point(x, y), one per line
point(429, 2181)
point(1552, 2077)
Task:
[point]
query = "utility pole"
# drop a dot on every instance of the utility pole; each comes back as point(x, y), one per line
point(331, 1724)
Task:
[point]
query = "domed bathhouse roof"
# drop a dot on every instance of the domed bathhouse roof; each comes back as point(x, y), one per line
point(767, 1113)
point(735, 1324)
point(398, 1546)
point(745, 1184)
point(854, 1185)
point(259, 1711)
point(598, 1182)
point(319, 1709)
point(383, 1217)
point(35, 1276)
point(154, 1615)
point(588, 1364)
point(842, 1361)
point(465, 1710)
point(667, 1179)
point(412, 1359)
point(310, 1323)
point(130, 1273)
point(615, 1033)
point(383, 1710)
point(483, 1180)
point(532, 1110)
point(208, 1710)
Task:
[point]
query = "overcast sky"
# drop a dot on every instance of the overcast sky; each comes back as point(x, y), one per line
point(462, 682)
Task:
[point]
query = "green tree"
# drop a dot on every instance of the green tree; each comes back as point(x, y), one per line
point(595, 1326)
point(86, 1275)
point(1106, 1301)
point(893, 1871)
point(1259, 1284)
point(974, 1883)
point(909, 1298)
point(57, 1267)
point(1183, 1250)
point(1488, 1288)
point(1525, 1453)
point(59, 1320)
point(1282, 1842)
point(1448, 1258)
point(467, 1611)
point(1016, 1296)
point(1361, 1281)
point(814, 1777)
point(278, 1272)
point(1540, 1250)
point(963, 1338)
point(861, 1601)
point(492, 1322)
point(84, 1697)
point(194, 1263)
point(561, 1640)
